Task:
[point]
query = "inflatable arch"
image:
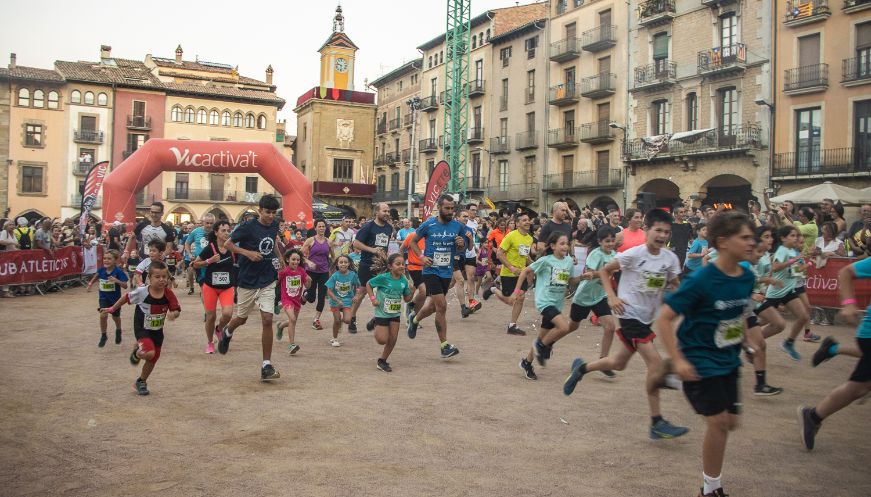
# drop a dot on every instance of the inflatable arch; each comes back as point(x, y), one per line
point(159, 155)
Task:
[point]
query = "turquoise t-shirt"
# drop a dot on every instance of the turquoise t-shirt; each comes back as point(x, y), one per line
point(591, 292)
point(344, 286)
point(389, 293)
point(696, 248)
point(551, 279)
point(863, 270)
point(785, 275)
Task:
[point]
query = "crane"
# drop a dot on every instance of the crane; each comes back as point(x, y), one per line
point(456, 96)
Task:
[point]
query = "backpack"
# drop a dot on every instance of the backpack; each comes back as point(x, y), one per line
point(24, 240)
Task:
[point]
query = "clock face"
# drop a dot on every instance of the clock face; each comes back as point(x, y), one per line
point(341, 64)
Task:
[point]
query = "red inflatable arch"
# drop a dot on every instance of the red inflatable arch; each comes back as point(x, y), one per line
point(159, 155)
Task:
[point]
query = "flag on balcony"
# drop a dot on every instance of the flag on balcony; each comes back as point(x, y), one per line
point(93, 183)
point(652, 145)
point(803, 10)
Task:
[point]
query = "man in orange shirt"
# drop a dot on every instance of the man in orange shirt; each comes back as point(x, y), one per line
point(415, 270)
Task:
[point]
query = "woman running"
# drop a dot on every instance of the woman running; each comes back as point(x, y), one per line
point(319, 256)
point(219, 282)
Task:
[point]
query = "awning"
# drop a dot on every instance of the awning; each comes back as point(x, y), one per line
point(321, 209)
point(815, 194)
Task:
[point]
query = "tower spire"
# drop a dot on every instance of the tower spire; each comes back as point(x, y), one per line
point(339, 20)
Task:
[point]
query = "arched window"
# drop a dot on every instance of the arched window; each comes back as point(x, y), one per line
point(38, 98)
point(89, 98)
point(237, 120)
point(189, 115)
point(24, 97)
point(53, 100)
point(76, 97)
point(474, 42)
point(102, 99)
point(201, 116)
point(261, 122)
point(481, 39)
point(225, 118)
point(213, 117)
point(249, 120)
point(488, 35)
point(175, 116)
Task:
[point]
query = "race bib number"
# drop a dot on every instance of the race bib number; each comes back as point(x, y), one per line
point(154, 321)
point(107, 286)
point(220, 278)
point(381, 240)
point(132, 268)
point(483, 260)
point(204, 242)
point(293, 284)
point(441, 259)
point(652, 282)
point(343, 288)
point(559, 277)
point(730, 332)
point(795, 272)
point(170, 262)
point(392, 306)
point(523, 250)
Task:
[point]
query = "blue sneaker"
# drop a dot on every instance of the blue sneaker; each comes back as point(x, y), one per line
point(789, 348)
point(412, 326)
point(573, 379)
point(449, 351)
point(664, 430)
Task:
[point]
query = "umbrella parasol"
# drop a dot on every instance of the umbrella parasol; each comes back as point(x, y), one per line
point(815, 194)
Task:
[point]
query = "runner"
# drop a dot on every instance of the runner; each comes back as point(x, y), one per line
point(633, 235)
point(373, 238)
point(705, 352)
point(318, 259)
point(459, 275)
point(219, 281)
point(471, 255)
point(256, 242)
point(149, 230)
point(559, 222)
point(112, 280)
point(156, 249)
point(292, 280)
point(343, 288)
point(393, 288)
point(341, 238)
point(515, 252)
point(647, 271)
point(194, 243)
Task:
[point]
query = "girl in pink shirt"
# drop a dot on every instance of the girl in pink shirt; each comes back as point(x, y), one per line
point(291, 280)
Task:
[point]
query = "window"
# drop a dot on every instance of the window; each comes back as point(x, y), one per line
point(214, 117)
point(488, 35)
point(503, 175)
point(304, 131)
point(808, 134)
point(139, 109)
point(38, 98)
point(24, 97)
point(249, 120)
point(474, 42)
point(503, 102)
point(530, 45)
point(862, 134)
point(33, 135)
point(88, 124)
point(569, 122)
point(53, 100)
point(251, 184)
point(660, 118)
point(530, 86)
point(481, 39)
point(530, 121)
point(261, 122)
point(89, 98)
point(76, 97)
point(660, 48)
point(225, 118)
point(863, 51)
point(429, 62)
point(237, 120)
point(692, 112)
point(343, 169)
point(430, 165)
point(503, 127)
point(102, 99)
point(441, 57)
point(381, 184)
point(189, 115)
point(434, 86)
point(432, 128)
point(479, 73)
point(182, 185)
point(529, 171)
point(201, 116)
point(175, 115)
point(31, 179)
point(394, 182)
point(728, 30)
point(728, 107)
point(135, 141)
point(505, 56)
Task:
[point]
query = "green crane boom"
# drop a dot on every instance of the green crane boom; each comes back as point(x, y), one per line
point(456, 96)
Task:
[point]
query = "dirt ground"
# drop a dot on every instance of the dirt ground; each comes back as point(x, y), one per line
point(333, 425)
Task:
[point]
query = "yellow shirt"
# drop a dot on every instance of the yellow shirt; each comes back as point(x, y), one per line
point(517, 248)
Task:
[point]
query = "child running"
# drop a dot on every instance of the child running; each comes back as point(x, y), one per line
point(112, 280)
point(698, 250)
point(156, 247)
point(393, 287)
point(343, 288)
point(706, 353)
point(132, 263)
point(646, 272)
point(154, 303)
point(291, 280)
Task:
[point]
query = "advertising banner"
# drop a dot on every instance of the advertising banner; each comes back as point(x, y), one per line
point(20, 267)
point(823, 289)
point(437, 183)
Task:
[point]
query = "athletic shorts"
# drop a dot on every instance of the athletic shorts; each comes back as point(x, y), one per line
point(470, 261)
point(777, 301)
point(436, 285)
point(416, 277)
point(105, 304)
point(714, 395)
point(386, 321)
point(264, 298)
point(547, 316)
point(580, 312)
point(365, 274)
point(752, 321)
point(862, 373)
point(339, 308)
point(149, 340)
point(509, 283)
point(632, 332)
point(799, 290)
point(211, 297)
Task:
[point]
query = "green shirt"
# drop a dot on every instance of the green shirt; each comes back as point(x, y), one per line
point(810, 232)
point(591, 292)
point(517, 248)
point(551, 279)
point(389, 294)
point(785, 275)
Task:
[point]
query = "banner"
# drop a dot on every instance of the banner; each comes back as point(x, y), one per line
point(93, 183)
point(19, 267)
point(438, 180)
point(823, 289)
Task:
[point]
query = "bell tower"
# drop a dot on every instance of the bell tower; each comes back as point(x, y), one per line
point(337, 57)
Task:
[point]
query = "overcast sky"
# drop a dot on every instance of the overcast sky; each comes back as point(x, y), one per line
point(251, 34)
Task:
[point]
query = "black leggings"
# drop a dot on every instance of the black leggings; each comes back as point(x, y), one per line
point(319, 285)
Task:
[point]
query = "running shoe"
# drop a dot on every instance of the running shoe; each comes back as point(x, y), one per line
point(487, 293)
point(370, 325)
point(609, 374)
point(141, 387)
point(811, 337)
point(449, 351)
point(334, 343)
point(474, 305)
point(103, 340)
point(134, 359)
point(268, 372)
point(575, 376)
point(822, 354)
point(292, 348)
point(317, 325)
point(789, 348)
point(665, 430)
point(542, 352)
point(464, 311)
point(117, 337)
point(224, 344)
point(766, 390)
point(210, 348)
point(412, 326)
point(352, 327)
point(514, 330)
point(383, 366)
point(528, 370)
point(807, 427)
point(279, 331)
point(716, 493)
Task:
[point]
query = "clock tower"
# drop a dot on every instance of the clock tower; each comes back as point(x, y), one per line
point(337, 57)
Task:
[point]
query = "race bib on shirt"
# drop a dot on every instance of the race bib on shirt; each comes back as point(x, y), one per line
point(441, 259)
point(523, 250)
point(559, 277)
point(343, 288)
point(652, 282)
point(107, 286)
point(154, 321)
point(293, 284)
point(392, 306)
point(729, 332)
point(132, 268)
point(204, 242)
point(794, 270)
point(220, 278)
point(483, 260)
point(381, 240)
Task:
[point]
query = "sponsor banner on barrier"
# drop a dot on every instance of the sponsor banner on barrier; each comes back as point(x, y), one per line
point(823, 289)
point(32, 266)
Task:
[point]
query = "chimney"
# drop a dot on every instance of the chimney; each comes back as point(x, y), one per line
point(105, 52)
point(269, 72)
point(13, 61)
point(178, 54)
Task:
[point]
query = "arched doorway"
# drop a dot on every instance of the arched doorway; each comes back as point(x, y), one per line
point(604, 203)
point(667, 193)
point(32, 216)
point(219, 213)
point(729, 189)
point(179, 215)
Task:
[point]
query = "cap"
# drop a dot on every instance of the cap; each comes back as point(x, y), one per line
point(22, 221)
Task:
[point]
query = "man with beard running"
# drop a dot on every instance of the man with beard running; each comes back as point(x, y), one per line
point(373, 238)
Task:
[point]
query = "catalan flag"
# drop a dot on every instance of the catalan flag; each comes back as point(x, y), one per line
point(803, 10)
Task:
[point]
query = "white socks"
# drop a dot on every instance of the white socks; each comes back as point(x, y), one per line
point(267, 362)
point(711, 484)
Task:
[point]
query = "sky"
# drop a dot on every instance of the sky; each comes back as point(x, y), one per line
point(251, 34)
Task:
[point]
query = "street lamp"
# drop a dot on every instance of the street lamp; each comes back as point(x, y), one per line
point(414, 105)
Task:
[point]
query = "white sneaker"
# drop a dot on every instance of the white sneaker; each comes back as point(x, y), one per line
point(335, 343)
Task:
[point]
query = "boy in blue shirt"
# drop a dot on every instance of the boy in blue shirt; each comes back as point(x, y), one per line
point(112, 280)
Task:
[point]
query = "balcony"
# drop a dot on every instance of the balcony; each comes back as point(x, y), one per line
point(81, 168)
point(406, 156)
point(499, 145)
point(87, 136)
point(516, 192)
point(851, 6)
point(445, 98)
point(722, 61)
point(391, 196)
point(596, 132)
point(476, 135)
point(801, 12)
point(343, 189)
point(526, 141)
point(601, 85)
point(408, 120)
point(598, 39)
point(807, 79)
point(737, 140)
point(565, 50)
point(661, 74)
point(380, 160)
point(562, 95)
point(395, 124)
point(656, 13)
point(476, 183)
point(429, 104)
point(76, 201)
point(139, 122)
point(381, 128)
point(561, 138)
point(211, 195)
point(823, 164)
point(476, 88)
point(605, 179)
point(856, 71)
point(391, 158)
point(428, 145)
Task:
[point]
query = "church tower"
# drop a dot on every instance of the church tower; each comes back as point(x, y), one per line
point(337, 57)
